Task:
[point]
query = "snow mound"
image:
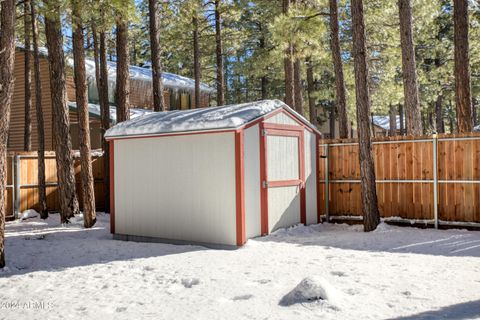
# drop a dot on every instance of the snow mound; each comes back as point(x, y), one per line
point(190, 282)
point(383, 227)
point(30, 213)
point(312, 289)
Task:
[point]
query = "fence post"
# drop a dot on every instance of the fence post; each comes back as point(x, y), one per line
point(327, 186)
point(435, 180)
point(16, 185)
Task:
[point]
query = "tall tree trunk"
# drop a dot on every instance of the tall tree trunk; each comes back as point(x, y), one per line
point(27, 135)
point(371, 216)
point(297, 79)
point(402, 119)
point(474, 111)
point(264, 81)
point(61, 122)
point(288, 67)
point(373, 124)
point(7, 58)
point(96, 58)
point(463, 97)
point(392, 114)
point(410, 88)
point(310, 91)
point(219, 55)
point(81, 95)
point(42, 190)
point(440, 125)
point(332, 119)
point(452, 124)
point(196, 60)
point(340, 91)
point(154, 21)
point(104, 118)
point(123, 77)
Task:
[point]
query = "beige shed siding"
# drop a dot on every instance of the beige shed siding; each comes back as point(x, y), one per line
point(17, 117)
point(281, 118)
point(252, 182)
point(177, 187)
point(283, 207)
point(287, 167)
point(310, 176)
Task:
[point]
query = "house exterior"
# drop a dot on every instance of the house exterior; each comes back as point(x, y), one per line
point(381, 125)
point(214, 175)
point(179, 94)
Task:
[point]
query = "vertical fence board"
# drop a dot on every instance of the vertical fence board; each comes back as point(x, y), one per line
point(28, 171)
point(411, 160)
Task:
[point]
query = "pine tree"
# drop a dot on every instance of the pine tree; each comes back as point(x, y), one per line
point(340, 90)
point(105, 117)
point(462, 67)
point(27, 135)
point(219, 56)
point(61, 124)
point(289, 67)
point(42, 190)
point(122, 93)
point(196, 58)
point(7, 58)
point(81, 94)
point(412, 104)
point(158, 99)
point(371, 216)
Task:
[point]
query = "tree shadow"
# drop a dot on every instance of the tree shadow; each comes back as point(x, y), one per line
point(35, 247)
point(465, 310)
point(393, 239)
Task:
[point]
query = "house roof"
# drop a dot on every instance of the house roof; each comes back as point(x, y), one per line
point(384, 122)
point(94, 111)
point(169, 80)
point(202, 119)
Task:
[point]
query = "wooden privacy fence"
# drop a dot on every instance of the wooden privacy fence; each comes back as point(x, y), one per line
point(22, 182)
point(430, 179)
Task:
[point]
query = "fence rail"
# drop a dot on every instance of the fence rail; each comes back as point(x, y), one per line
point(22, 182)
point(428, 178)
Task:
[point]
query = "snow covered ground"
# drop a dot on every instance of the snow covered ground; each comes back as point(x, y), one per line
point(57, 272)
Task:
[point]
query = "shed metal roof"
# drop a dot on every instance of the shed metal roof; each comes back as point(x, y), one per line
point(202, 119)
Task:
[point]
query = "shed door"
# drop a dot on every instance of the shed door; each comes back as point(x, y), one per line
point(282, 176)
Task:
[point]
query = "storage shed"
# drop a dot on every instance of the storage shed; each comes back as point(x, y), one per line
point(215, 176)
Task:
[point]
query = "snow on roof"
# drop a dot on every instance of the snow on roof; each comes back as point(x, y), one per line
point(94, 111)
point(211, 118)
point(170, 80)
point(384, 122)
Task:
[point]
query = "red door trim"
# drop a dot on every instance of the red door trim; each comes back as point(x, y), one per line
point(317, 172)
point(112, 185)
point(240, 187)
point(303, 195)
point(284, 183)
point(283, 133)
point(283, 126)
point(280, 130)
point(263, 177)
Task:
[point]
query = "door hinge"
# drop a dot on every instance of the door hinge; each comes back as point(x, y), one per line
point(264, 184)
point(264, 132)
